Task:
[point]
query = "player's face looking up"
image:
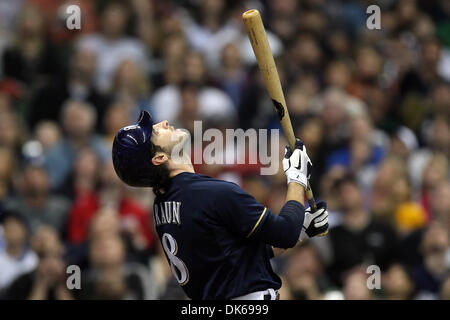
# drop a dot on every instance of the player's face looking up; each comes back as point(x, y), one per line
point(166, 137)
point(145, 154)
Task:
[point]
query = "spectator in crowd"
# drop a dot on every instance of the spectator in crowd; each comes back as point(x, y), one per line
point(9, 14)
point(435, 136)
point(403, 143)
point(189, 106)
point(440, 203)
point(390, 188)
point(146, 25)
point(305, 54)
point(48, 280)
point(299, 102)
point(304, 275)
point(282, 18)
point(397, 283)
point(327, 190)
point(445, 289)
point(78, 120)
point(12, 133)
point(364, 152)
point(5, 102)
point(84, 177)
point(174, 47)
point(16, 257)
point(359, 239)
point(355, 285)
point(32, 60)
point(111, 45)
point(310, 128)
point(35, 201)
point(110, 277)
point(46, 135)
point(439, 140)
point(334, 117)
point(436, 172)
point(429, 275)
point(233, 75)
point(210, 24)
point(77, 85)
point(256, 109)
point(212, 102)
point(367, 69)
point(135, 221)
point(6, 170)
point(338, 74)
point(131, 86)
point(399, 192)
point(117, 116)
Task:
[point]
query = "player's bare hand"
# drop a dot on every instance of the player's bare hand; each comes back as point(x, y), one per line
point(296, 164)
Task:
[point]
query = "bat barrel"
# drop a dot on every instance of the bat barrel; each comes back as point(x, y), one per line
point(258, 39)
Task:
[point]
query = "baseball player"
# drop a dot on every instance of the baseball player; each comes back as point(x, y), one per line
point(217, 238)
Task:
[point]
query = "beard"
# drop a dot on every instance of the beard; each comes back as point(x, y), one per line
point(180, 151)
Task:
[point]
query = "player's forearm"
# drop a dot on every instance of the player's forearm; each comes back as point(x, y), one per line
point(283, 230)
point(296, 192)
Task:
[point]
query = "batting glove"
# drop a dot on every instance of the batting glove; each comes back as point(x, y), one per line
point(315, 223)
point(297, 165)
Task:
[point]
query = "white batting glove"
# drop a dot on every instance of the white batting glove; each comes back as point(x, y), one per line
point(297, 165)
point(315, 223)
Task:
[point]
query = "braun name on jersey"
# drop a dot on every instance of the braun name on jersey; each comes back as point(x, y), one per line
point(167, 213)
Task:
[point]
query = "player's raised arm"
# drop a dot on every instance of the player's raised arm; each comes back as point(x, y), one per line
point(297, 166)
point(294, 223)
point(247, 218)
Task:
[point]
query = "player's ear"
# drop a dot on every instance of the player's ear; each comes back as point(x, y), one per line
point(159, 158)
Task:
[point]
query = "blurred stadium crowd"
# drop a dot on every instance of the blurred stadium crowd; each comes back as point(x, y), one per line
point(372, 106)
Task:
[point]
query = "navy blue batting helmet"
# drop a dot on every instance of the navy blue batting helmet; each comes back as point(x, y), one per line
point(131, 152)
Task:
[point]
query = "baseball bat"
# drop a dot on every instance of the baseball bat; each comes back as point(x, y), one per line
point(258, 39)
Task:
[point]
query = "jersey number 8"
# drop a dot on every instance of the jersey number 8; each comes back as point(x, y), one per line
point(177, 265)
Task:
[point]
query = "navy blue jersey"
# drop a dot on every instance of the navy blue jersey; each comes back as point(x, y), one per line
point(209, 231)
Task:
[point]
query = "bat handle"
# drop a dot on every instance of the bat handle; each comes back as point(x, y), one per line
point(310, 197)
point(309, 193)
point(312, 204)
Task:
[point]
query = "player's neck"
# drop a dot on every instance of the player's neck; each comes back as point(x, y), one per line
point(181, 168)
